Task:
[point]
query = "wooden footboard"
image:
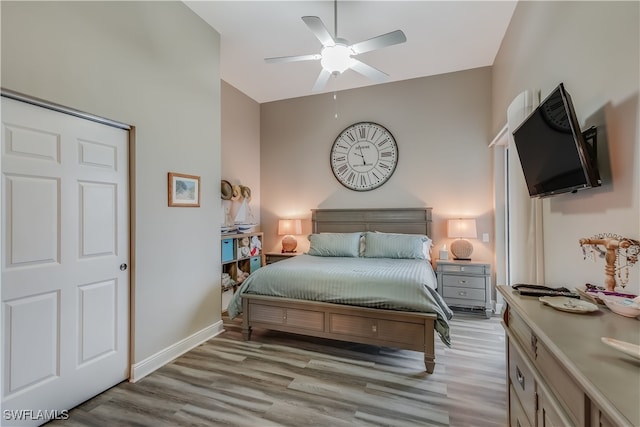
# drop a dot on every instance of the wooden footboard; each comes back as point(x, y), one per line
point(404, 330)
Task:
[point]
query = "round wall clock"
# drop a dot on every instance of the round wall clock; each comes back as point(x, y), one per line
point(364, 156)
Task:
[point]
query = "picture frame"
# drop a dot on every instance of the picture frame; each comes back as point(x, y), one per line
point(184, 190)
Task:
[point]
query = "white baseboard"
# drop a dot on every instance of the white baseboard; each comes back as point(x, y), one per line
point(161, 358)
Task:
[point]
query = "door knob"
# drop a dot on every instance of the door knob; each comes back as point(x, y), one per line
point(123, 266)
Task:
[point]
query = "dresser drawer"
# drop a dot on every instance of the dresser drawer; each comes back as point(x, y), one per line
point(517, 416)
point(522, 382)
point(521, 331)
point(468, 294)
point(463, 281)
point(561, 384)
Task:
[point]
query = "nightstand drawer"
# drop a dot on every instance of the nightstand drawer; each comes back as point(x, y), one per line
point(463, 281)
point(468, 294)
point(467, 269)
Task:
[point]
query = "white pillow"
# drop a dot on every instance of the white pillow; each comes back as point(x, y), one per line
point(395, 245)
point(335, 244)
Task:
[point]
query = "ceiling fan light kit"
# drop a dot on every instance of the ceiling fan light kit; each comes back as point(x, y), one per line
point(337, 54)
point(336, 59)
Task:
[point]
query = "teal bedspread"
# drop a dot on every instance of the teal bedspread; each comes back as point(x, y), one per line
point(391, 284)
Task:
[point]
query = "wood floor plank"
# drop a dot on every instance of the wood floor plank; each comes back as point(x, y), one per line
point(280, 379)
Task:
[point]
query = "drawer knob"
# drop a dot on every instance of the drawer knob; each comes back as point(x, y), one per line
point(462, 293)
point(374, 328)
point(462, 282)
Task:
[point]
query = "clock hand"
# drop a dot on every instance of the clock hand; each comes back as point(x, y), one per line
point(364, 162)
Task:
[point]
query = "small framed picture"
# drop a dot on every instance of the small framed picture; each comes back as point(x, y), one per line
point(184, 190)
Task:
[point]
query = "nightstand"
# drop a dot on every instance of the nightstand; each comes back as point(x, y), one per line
point(279, 256)
point(465, 284)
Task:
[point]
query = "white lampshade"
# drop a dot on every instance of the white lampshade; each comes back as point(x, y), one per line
point(286, 228)
point(289, 226)
point(462, 229)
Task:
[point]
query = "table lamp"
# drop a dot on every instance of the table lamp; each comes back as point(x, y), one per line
point(286, 228)
point(461, 229)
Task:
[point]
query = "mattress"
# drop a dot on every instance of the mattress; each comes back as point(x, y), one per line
point(384, 283)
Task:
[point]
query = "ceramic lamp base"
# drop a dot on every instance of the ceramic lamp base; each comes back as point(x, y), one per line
point(289, 244)
point(461, 249)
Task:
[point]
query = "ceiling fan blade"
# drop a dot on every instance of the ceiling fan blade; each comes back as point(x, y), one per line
point(319, 30)
point(389, 39)
point(368, 71)
point(322, 80)
point(292, 58)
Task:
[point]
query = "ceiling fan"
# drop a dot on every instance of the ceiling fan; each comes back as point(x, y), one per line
point(337, 54)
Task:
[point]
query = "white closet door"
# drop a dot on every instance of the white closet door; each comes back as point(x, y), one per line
point(65, 236)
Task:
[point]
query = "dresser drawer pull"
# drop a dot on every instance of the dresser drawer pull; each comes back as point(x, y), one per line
point(462, 293)
point(462, 282)
point(520, 377)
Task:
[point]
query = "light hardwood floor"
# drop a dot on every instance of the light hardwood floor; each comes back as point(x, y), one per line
point(279, 379)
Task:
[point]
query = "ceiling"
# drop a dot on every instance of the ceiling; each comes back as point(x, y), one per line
point(442, 37)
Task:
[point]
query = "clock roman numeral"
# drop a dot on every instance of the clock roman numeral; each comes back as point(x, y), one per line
point(384, 141)
point(351, 137)
point(384, 166)
point(386, 154)
point(342, 169)
point(363, 180)
point(362, 133)
point(340, 158)
point(351, 177)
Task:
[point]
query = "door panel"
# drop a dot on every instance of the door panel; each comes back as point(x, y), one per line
point(31, 326)
point(98, 219)
point(98, 310)
point(65, 231)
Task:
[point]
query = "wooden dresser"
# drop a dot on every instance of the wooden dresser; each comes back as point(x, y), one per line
point(559, 371)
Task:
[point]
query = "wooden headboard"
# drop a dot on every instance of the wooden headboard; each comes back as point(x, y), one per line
point(389, 220)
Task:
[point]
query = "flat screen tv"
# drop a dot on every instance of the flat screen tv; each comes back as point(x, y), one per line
point(555, 155)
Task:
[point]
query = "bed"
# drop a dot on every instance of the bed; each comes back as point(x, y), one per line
point(355, 318)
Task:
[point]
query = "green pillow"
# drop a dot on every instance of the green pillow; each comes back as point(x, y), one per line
point(335, 244)
point(392, 245)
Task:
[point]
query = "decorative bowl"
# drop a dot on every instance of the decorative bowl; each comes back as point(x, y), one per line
point(623, 306)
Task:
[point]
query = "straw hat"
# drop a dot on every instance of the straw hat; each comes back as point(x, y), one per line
point(236, 192)
point(225, 190)
point(246, 192)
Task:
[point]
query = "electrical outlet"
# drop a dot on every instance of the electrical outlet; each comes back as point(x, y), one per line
point(485, 237)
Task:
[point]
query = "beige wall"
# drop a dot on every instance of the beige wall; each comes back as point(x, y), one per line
point(442, 127)
point(593, 47)
point(153, 65)
point(240, 155)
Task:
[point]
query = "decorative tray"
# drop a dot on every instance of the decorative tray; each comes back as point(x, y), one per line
point(590, 293)
point(571, 305)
